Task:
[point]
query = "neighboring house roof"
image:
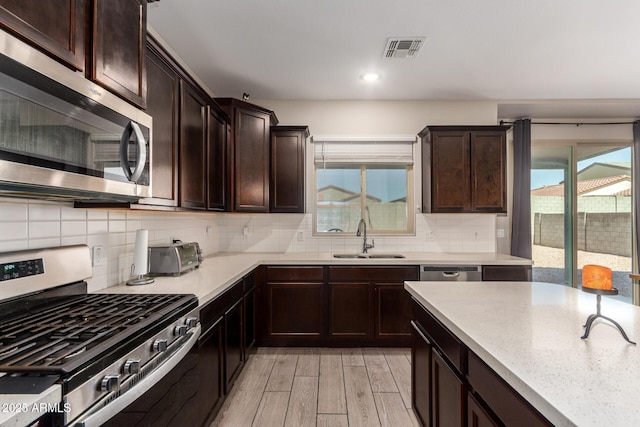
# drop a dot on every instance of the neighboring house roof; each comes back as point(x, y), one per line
point(589, 186)
point(604, 169)
point(333, 193)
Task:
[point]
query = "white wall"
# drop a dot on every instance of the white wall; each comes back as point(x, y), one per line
point(379, 117)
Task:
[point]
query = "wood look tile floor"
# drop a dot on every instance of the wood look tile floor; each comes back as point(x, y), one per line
point(329, 387)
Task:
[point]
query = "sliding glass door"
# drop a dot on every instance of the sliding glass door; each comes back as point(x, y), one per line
point(581, 212)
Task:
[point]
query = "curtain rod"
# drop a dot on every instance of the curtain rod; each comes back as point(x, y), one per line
point(503, 122)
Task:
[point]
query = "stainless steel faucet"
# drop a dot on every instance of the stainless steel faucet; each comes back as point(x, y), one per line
point(362, 225)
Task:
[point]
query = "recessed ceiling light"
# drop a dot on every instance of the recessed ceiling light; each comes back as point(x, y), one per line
point(371, 77)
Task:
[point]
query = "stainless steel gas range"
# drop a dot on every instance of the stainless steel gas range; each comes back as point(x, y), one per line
point(104, 351)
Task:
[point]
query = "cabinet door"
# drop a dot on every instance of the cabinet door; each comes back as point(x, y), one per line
point(420, 374)
point(351, 310)
point(287, 170)
point(393, 311)
point(210, 364)
point(488, 182)
point(192, 148)
point(295, 310)
point(448, 396)
point(249, 321)
point(251, 152)
point(217, 130)
point(233, 350)
point(119, 40)
point(54, 26)
point(450, 171)
point(477, 416)
point(162, 105)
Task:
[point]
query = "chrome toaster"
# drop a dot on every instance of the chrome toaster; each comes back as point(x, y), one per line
point(174, 259)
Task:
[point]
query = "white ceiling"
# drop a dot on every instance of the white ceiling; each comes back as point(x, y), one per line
point(528, 54)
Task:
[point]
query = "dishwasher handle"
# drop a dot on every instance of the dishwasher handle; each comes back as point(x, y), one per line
point(451, 274)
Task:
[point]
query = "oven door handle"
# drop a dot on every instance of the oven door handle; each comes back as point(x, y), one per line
point(107, 412)
point(133, 128)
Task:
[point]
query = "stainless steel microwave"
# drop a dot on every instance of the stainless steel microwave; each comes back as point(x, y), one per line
point(64, 137)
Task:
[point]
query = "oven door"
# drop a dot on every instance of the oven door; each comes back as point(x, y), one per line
point(166, 396)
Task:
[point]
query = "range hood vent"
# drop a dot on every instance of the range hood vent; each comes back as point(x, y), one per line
point(403, 47)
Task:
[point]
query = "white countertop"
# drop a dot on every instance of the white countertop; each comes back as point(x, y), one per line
point(529, 333)
point(218, 272)
point(22, 409)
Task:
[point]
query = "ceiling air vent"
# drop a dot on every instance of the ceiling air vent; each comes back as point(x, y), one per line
point(403, 47)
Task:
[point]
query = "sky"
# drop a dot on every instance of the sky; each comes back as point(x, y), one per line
point(540, 178)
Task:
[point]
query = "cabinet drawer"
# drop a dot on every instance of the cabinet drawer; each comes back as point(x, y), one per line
point(441, 337)
point(516, 273)
point(378, 274)
point(506, 403)
point(216, 308)
point(295, 274)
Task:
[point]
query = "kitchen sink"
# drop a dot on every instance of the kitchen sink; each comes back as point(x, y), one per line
point(369, 256)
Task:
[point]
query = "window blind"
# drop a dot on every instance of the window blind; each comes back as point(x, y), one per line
point(390, 151)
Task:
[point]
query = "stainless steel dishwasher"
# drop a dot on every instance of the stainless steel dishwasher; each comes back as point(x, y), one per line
point(452, 273)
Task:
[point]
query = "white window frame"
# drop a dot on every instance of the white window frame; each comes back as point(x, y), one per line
point(383, 159)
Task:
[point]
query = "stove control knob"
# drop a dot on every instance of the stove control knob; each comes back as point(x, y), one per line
point(132, 366)
point(110, 383)
point(160, 345)
point(180, 330)
point(191, 322)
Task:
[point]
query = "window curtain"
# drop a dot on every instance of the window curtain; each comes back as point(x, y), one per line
point(521, 217)
point(636, 181)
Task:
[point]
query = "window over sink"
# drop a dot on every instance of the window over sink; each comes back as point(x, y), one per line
point(367, 179)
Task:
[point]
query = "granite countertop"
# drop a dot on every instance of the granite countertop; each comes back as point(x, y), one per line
point(218, 272)
point(529, 333)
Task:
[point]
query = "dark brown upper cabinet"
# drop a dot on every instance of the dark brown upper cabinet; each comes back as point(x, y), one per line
point(218, 131)
point(193, 168)
point(163, 105)
point(248, 154)
point(106, 39)
point(286, 185)
point(55, 26)
point(464, 169)
point(119, 29)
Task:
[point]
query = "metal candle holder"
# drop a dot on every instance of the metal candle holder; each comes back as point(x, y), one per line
point(592, 317)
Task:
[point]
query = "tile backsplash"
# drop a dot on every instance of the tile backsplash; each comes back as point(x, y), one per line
point(28, 224)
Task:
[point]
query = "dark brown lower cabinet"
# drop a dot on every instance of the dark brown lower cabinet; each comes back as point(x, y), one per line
point(420, 374)
point(337, 306)
point(511, 273)
point(295, 309)
point(233, 348)
point(451, 386)
point(350, 311)
point(448, 396)
point(393, 311)
point(211, 353)
point(249, 308)
point(221, 347)
point(477, 416)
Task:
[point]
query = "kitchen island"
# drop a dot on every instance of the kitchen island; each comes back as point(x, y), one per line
point(529, 335)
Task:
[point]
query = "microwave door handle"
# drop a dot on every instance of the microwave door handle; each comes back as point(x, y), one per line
point(134, 175)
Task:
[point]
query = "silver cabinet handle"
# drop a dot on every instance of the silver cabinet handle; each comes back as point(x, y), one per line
point(450, 273)
point(133, 128)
